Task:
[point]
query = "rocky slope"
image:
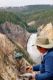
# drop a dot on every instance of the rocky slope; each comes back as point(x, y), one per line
point(8, 34)
point(17, 33)
point(5, 45)
point(8, 66)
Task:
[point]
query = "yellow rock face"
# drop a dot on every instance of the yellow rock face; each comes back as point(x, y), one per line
point(7, 63)
point(5, 44)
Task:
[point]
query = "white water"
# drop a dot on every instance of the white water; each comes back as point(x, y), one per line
point(32, 50)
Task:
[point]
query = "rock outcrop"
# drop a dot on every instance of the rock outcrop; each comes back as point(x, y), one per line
point(9, 69)
point(17, 33)
point(7, 63)
point(5, 44)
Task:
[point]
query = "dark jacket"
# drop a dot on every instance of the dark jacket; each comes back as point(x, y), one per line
point(46, 67)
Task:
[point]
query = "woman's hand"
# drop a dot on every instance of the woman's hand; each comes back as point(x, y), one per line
point(29, 69)
point(32, 77)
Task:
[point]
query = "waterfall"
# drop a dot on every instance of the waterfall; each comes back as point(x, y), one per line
point(32, 49)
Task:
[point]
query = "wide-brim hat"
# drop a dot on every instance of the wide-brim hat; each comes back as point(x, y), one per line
point(45, 37)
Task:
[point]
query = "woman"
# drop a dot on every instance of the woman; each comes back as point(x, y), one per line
point(44, 44)
point(46, 66)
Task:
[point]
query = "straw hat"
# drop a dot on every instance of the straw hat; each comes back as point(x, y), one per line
point(45, 37)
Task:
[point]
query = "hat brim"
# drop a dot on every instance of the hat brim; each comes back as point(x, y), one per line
point(48, 46)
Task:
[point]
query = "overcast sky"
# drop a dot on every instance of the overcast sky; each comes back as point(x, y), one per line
point(6, 3)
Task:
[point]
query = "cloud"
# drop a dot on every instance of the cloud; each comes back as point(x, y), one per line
point(6, 3)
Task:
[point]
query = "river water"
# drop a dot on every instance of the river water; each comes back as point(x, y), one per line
point(32, 49)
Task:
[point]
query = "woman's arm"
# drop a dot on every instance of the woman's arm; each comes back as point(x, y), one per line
point(48, 69)
point(36, 67)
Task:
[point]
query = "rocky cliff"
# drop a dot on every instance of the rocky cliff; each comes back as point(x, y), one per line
point(12, 37)
point(8, 65)
point(16, 32)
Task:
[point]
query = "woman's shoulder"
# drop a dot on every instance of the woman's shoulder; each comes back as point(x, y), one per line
point(49, 55)
point(50, 52)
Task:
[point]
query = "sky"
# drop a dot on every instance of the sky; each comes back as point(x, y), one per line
point(15, 3)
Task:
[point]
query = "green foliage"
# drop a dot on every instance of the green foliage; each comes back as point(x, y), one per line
point(11, 17)
point(41, 14)
point(32, 29)
point(40, 17)
point(8, 16)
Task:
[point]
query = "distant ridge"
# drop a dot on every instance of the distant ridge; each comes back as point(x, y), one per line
point(27, 7)
point(40, 14)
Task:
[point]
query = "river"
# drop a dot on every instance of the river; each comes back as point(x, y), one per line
point(32, 49)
